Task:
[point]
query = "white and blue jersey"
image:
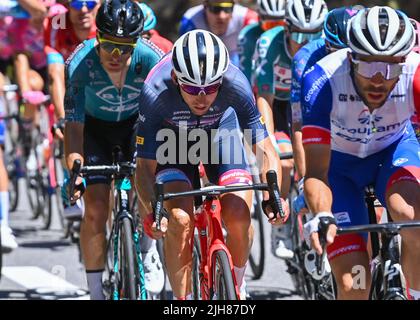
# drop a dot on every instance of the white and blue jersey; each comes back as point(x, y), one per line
point(334, 113)
point(195, 18)
point(376, 148)
point(304, 59)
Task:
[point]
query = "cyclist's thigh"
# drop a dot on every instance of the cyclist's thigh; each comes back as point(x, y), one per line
point(349, 209)
point(398, 179)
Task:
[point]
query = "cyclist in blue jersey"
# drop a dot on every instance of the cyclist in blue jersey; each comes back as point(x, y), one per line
point(197, 94)
point(224, 18)
point(356, 108)
point(104, 77)
point(271, 14)
point(335, 28)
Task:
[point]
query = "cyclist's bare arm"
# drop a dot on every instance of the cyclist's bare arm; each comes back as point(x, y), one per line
point(145, 182)
point(57, 88)
point(73, 142)
point(265, 107)
point(298, 151)
point(318, 194)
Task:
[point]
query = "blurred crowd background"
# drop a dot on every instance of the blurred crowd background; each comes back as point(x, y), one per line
point(169, 12)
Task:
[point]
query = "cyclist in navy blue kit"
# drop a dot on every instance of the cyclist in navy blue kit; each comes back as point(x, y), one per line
point(192, 91)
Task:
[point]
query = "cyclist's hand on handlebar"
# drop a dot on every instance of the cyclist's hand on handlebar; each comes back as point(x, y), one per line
point(317, 231)
point(274, 218)
point(149, 226)
point(80, 186)
point(58, 129)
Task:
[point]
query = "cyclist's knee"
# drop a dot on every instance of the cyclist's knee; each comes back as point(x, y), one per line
point(287, 165)
point(35, 81)
point(236, 216)
point(180, 222)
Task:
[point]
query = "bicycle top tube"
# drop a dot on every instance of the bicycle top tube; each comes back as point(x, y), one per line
point(392, 227)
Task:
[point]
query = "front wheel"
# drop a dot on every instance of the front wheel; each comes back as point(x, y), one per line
point(257, 254)
point(128, 282)
point(223, 284)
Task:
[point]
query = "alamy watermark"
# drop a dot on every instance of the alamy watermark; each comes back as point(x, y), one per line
point(215, 146)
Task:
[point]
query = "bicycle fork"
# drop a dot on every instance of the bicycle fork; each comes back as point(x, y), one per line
point(392, 272)
point(209, 224)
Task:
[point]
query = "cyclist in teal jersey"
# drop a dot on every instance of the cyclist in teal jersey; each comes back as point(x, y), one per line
point(104, 77)
point(276, 49)
point(271, 14)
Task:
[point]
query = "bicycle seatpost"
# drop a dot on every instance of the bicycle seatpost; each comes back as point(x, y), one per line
point(273, 190)
point(159, 204)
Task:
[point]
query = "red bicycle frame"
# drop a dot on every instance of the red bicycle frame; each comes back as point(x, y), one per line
point(208, 221)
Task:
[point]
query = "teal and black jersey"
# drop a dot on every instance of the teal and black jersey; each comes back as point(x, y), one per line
point(247, 42)
point(90, 91)
point(273, 67)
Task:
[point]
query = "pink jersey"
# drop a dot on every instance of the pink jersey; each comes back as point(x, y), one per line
point(18, 35)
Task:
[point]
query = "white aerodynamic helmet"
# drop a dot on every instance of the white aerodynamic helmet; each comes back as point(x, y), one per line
point(306, 14)
point(272, 8)
point(381, 31)
point(199, 58)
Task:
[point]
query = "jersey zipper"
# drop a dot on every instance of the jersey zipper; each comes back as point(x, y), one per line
point(121, 104)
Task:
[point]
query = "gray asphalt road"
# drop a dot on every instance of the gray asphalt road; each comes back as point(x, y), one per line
point(46, 266)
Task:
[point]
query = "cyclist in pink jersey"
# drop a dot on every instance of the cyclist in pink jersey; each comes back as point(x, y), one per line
point(60, 42)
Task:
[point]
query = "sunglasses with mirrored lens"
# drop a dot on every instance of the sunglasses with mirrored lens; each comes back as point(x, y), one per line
point(301, 37)
point(217, 8)
point(388, 71)
point(122, 48)
point(195, 91)
point(78, 5)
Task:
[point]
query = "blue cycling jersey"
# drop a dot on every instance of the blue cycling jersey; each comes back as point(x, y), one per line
point(162, 106)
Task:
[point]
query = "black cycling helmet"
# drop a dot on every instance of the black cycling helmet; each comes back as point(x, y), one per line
point(120, 18)
point(335, 25)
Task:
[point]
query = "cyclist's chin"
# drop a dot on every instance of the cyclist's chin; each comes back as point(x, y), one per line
point(113, 66)
point(200, 110)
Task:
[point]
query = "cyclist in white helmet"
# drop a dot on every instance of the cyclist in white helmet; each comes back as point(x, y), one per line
point(276, 48)
point(197, 88)
point(271, 14)
point(356, 108)
point(224, 18)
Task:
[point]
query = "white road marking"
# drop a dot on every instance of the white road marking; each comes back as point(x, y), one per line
point(43, 283)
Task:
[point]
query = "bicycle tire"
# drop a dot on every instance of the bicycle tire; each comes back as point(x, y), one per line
point(163, 295)
point(223, 284)
point(195, 272)
point(128, 262)
point(257, 253)
point(296, 265)
point(13, 182)
point(34, 188)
